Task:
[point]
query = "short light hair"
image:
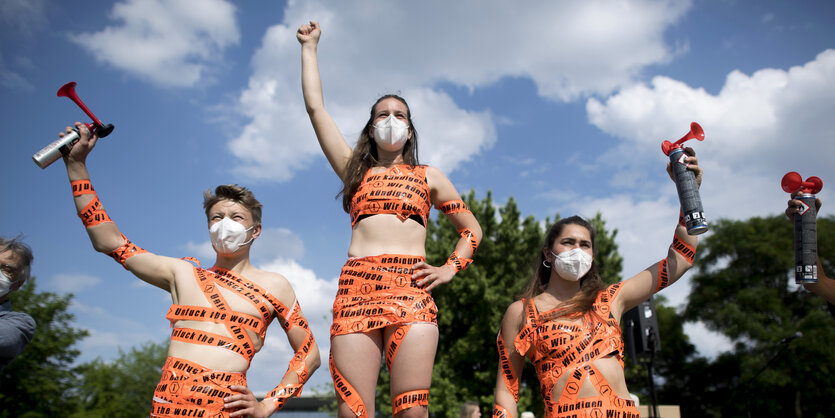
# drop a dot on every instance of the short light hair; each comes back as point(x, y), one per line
point(23, 251)
point(468, 409)
point(235, 193)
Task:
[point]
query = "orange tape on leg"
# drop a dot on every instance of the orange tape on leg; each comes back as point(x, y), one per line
point(93, 214)
point(511, 381)
point(347, 392)
point(126, 251)
point(686, 250)
point(409, 399)
point(663, 276)
point(500, 412)
point(394, 343)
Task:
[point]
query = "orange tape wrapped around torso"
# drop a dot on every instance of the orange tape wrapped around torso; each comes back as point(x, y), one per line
point(378, 291)
point(559, 347)
point(401, 190)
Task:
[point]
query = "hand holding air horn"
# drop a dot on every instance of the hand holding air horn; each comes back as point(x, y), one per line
point(805, 225)
point(62, 146)
point(686, 185)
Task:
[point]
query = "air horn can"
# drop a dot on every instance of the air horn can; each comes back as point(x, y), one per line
point(686, 185)
point(50, 153)
point(805, 226)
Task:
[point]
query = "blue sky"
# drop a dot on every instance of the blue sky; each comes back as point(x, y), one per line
point(562, 105)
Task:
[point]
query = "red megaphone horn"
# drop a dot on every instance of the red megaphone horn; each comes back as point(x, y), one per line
point(101, 130)
point(792, 182)
point(696, 131)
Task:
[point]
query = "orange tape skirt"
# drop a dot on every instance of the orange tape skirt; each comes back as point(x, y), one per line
point(594, 407)
point(188, 389)
point(378, 291)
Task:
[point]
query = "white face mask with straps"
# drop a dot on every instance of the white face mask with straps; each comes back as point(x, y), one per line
point(391, 133)
point(572, 264)
point(5, 284)
point(228, 236)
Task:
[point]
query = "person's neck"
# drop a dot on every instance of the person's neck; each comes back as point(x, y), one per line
point(561, 289)
point(388, 159)
point(238, 263)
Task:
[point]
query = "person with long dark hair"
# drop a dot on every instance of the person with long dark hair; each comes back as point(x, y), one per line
point(567, 323)
point(384, 304)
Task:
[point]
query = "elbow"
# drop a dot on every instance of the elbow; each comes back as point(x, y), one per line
point(107, 246)
point(314, 361)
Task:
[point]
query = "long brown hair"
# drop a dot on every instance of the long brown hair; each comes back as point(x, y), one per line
point(590, 285)
point(365, 156)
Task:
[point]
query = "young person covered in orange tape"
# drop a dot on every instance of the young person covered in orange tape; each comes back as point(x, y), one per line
point(383, 305)
point(219, 315)
point(568, 324)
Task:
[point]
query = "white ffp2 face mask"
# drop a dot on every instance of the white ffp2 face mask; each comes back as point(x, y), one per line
point(572, 264)
point(391, 133)
point(5, 284)
point(228, 236)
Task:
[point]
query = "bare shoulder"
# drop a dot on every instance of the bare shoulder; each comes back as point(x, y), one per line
point(277, 285)
point(514, 313)
point(433, 174)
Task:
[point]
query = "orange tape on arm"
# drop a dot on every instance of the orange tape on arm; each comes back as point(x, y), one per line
point(126, 251)
point(684, 249)
point(93, 214)
point(455, 260)
point(663, 276)
point(454, 206)
point(500, 412)
point(511, 380)
point(81, 187)
point(298, 364)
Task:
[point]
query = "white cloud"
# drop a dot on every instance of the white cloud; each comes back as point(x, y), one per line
point(73, 283)
point(553, 43)
point(167, 42)
point(12, 79)
point(22, 16)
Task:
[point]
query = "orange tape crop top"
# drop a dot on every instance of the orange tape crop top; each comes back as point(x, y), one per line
point(401, 190)
point(559, 347)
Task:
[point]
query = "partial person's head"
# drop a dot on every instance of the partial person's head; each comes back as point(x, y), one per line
point(15, 261)
point(392, 110)
point(470, 410)
point(234, 217)
point(572, 240)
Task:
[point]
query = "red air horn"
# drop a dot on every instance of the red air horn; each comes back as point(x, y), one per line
point(805, 225)
point(792, 182)
point(696, 131)
point(62, 146)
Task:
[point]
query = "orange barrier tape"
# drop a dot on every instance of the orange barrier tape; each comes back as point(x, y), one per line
point(298, 364)
point(401, 190)
point(686, 250)
point(663, 276)
point(560, 349)
point(410, 399)
point(454, 206)
point(511, 380)
point(81, 187)
point(188, 389)
point(126, 251)
point(347, 392)
point(378, 291)
point(395, 341)
point(93, 214)
point(457, 262)
point(500, 412)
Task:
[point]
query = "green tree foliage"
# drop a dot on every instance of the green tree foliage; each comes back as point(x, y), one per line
point(472, 305)
point(124, 387)
point(40, 382)
point(745, 290)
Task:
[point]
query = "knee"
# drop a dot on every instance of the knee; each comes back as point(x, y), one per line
point(411, 404)
point(417, 411)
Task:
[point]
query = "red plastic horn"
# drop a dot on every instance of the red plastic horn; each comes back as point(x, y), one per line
point(792, 182)
point(696, 131)
point(68, 90)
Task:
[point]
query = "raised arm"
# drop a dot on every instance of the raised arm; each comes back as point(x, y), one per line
point(103, 232)
point(825, 287)
point(511, 362)
point(679, 259)
point(444, 197)
point(330, 139)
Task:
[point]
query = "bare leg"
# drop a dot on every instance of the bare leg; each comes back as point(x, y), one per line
point(357, 358)
point(411, 369)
